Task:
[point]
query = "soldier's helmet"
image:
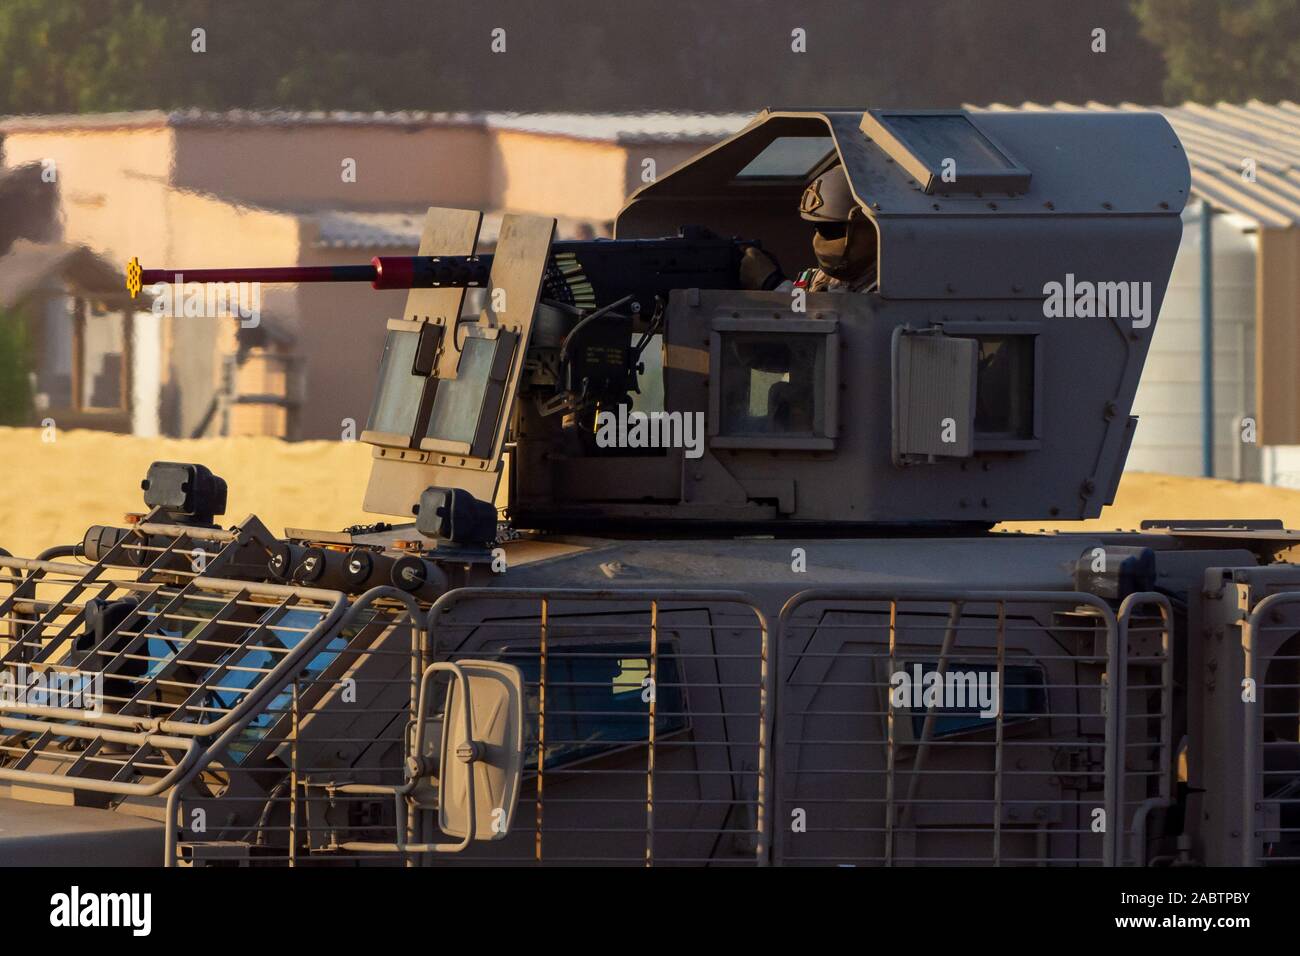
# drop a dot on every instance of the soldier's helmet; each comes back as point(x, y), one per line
point(845, 240)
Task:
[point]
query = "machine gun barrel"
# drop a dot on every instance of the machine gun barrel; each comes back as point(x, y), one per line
point(584, 273)
point(383, 272)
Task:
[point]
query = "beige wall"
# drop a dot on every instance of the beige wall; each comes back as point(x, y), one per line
point(111, 183)
point(103, 170)
point(537, 173)
point(667, 157)
point(578, 178)
point(296, 165)
point(206, 231)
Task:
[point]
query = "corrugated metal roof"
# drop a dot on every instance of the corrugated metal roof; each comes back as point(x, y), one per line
point(1225, 144)
point(232, 118)
point(624, 127)
point(604, 127)
point(340, 229)
point(362, 229)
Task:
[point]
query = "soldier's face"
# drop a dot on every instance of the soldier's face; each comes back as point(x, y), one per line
point(845, 250)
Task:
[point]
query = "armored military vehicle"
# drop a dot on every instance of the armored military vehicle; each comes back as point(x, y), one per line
point(672, 567)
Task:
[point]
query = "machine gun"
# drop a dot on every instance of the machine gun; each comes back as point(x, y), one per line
point(584, 274)
point(580, 316)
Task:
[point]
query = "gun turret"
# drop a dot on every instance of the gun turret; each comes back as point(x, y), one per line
point(989, 375)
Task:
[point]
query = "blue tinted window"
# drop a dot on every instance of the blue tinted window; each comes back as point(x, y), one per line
point(594, 698)
point(264, 660)
point(1024, 696)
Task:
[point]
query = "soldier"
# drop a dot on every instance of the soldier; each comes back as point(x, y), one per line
point(844, 243)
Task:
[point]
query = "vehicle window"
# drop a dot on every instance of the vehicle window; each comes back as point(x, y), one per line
point(458, 402)
point(289, 630)
point(772, 384)
point(934, 138)
point(1004, 390)
point(594, 698)
point(1024, 697)
point(651, 380)
point(397, 397)
point(788, 157)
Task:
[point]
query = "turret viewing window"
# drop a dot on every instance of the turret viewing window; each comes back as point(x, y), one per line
point(1008, 383)
point(788, 157)
point(981, 379)
point(945, 151)
point(773, 384)
point(1004, 389)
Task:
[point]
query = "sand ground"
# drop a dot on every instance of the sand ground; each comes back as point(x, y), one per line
point(50, 492)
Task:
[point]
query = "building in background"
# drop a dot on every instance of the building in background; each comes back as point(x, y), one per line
point(77, 323)
point(193, 189)
point(65, 318)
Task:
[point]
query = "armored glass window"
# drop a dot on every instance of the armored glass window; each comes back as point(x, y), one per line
point(773, 389)
point(1023, 693)
point(1003, 408)
point(595, 698)
point(288, 629)
point(788, 157)
point(1004, 391)
point(397, 397)
point(945, 151)
point(650, 381)
point(936, 138)
point(457, 403)
point(464, 415)
point(769, 384)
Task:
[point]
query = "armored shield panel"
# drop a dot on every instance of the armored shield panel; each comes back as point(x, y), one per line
point(460, 425)
point(405, 390)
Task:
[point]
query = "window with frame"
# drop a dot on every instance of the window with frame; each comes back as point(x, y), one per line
point(414, 407)
point(596, 698)
point(1004, 389)
point(458, 403)
point(397, 396)
point(1007, 392)
point(1024, 697)
point(788, 157)
point(773, 384)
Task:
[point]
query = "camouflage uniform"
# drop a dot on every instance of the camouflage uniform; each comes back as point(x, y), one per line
point(815, 280)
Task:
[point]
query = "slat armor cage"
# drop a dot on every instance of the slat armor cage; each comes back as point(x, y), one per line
point(272, 724)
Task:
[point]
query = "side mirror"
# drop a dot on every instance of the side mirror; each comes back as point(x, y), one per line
point(482, 754)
